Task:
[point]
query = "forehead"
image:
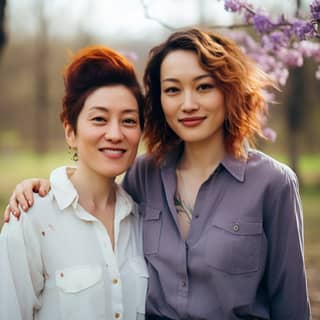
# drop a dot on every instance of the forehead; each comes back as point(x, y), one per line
point(115, 97)
point(179, 63)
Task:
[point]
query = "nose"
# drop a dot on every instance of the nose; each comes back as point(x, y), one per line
point(189, 102)
point(114, 132)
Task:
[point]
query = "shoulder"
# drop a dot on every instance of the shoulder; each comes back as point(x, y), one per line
point(36, 215)
point(124, 196)
point(142, 164)
point(262, 166)
point(28, 221)
point(138, 177)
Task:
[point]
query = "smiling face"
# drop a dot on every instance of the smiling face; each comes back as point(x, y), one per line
point(108, 131)
point(192, 103)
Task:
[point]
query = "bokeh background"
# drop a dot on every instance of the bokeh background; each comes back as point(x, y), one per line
point(40, 34)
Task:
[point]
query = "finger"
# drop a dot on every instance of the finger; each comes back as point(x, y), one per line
point(6, 216)
point(44, 187)
point(27, 188)
point(20, 198)
point(14, 205)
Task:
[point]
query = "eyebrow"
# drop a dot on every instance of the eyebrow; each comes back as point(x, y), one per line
point(100, 108)
point(197, 78)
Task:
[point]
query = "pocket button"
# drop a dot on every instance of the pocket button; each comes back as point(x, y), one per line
point(236, 227)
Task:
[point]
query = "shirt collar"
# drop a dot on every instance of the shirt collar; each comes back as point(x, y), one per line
point(63, 189)
point(124, 204)
point(66, 194)
point(236, 167)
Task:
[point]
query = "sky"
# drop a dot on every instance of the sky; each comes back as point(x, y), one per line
point(123, 18)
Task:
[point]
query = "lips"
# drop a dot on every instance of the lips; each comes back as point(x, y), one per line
point(113, 153)
point(192, 121)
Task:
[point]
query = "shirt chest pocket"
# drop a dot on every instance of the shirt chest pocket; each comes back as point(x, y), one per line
point(151, 230)
point(234, 247)
point(81, 292)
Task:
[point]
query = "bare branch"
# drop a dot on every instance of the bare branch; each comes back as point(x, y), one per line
point(148, 16)
point(232, 26)
point(169, 27)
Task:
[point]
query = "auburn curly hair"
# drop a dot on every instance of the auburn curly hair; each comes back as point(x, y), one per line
point(239, 78)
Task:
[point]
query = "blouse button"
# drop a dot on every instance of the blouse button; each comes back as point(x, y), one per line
point(236, 228)
point(115, 281)
point(117, 315)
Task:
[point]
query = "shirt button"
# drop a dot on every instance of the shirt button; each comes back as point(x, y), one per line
point(115, 281)
point(117, 315)
point(183, 283)
point(236, 228)
point(196, 216)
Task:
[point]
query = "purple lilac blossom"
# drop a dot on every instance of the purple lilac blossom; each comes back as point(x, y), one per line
point(309, 49)
point(303, 29)
point(274, 40)
point(290, 57)
point(315, 10)
point(262, 23)
point(270, 134)
point(233, 5)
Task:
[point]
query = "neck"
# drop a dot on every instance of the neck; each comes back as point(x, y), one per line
point(95, 191)
point(202, 157)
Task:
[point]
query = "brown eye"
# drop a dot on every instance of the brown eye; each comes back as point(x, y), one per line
point(205, 86)
point(130, 122)
point(99, 120)
point(171, 90)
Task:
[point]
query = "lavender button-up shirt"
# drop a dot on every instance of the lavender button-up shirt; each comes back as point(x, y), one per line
point(243, 257)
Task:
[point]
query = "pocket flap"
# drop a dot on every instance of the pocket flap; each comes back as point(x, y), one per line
point(150, 213)
point(239, 227)
point(78, 278)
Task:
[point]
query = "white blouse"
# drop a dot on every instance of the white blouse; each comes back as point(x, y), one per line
point(57, 261)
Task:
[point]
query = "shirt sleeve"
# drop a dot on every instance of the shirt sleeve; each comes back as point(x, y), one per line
point(21, 279)
point(285, 274)
point(133, 180)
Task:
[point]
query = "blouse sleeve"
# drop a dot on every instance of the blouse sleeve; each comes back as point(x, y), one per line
point(21, 279)
point(285, 274)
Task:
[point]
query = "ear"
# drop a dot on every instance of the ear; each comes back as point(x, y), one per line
point(70, 135)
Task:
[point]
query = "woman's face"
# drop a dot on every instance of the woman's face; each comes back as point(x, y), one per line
point(108, 131)
point(192, 103)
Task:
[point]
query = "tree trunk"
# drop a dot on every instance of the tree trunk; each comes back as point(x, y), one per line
point(41, 83)
point(2, 25)
point(295, 107)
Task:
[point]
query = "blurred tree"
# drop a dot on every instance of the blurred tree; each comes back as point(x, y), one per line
point(295, 110)
point(41, 128)
point(2, 24)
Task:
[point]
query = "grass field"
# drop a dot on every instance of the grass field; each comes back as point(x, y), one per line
point(15, 167)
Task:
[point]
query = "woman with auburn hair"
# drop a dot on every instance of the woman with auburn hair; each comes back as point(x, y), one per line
point(83, 257)
point(222, 222)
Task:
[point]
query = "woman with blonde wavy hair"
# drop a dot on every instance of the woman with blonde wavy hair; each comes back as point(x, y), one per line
point(222, 221)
